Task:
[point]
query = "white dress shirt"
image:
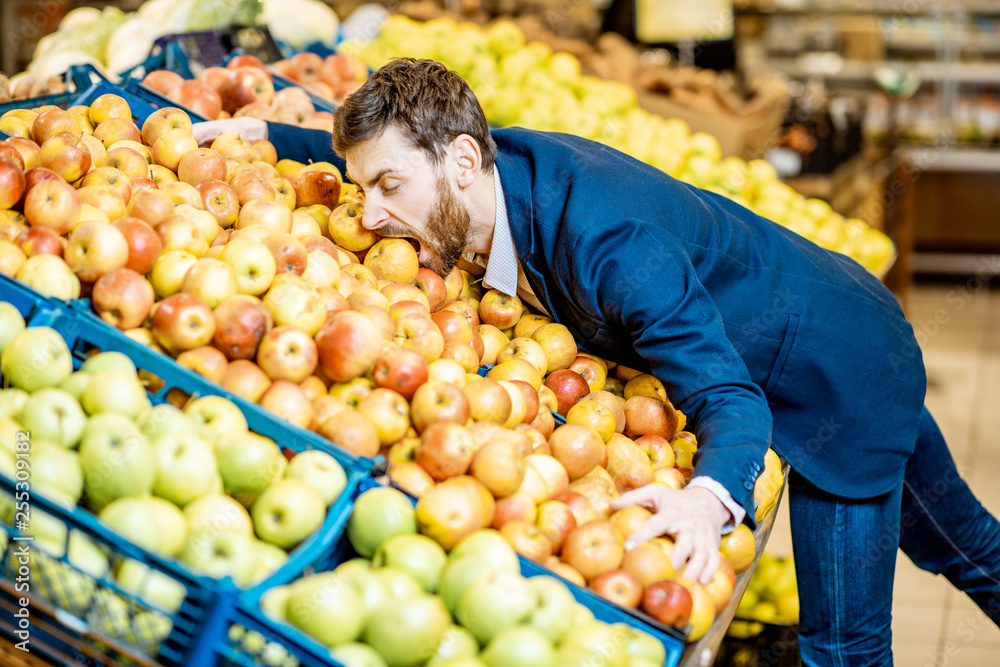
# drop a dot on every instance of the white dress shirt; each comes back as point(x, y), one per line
point(504, 273)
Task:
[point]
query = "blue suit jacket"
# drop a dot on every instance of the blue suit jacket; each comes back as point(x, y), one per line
point(760, 336)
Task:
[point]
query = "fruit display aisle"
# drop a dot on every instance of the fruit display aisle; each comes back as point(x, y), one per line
point(218, 307)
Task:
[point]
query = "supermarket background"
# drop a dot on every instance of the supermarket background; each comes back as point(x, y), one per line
point(887, 111)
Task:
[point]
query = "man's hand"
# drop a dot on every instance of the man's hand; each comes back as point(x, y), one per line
point(251, 129)
point(694, 517)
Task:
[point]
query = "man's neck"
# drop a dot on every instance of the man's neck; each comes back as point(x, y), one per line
point(483, 212)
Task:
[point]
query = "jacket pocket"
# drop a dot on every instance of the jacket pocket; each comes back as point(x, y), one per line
point(786, 347)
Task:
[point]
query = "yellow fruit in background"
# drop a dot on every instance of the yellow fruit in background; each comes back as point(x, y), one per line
point(738, 547)
point(288, 167)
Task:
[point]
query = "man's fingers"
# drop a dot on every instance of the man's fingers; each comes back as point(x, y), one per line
point(682, 549)
point(654, 526)
point(696, 563)
point(711, 567)
point(645, 496)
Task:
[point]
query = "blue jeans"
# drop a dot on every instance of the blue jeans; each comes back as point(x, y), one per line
point(845, 553)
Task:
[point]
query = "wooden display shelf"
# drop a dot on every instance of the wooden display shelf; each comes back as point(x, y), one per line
point(702, 652)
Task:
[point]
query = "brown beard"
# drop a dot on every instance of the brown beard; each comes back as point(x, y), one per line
point(447, 231)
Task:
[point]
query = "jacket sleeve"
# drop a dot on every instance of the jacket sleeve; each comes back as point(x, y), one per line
point(304, 144)
point(640, 280)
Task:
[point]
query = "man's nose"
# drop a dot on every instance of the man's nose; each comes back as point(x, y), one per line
point(373, 217)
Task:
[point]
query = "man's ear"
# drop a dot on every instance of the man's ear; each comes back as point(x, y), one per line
point(466, 158)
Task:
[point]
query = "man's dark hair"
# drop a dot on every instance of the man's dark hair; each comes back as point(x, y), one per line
point(427, 103)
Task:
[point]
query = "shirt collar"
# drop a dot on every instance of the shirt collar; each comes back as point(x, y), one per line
point(501, 268)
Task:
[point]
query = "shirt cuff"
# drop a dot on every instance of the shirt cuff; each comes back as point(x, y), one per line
point(735, 509)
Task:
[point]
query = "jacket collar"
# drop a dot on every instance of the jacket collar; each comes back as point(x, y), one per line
point(520, 216)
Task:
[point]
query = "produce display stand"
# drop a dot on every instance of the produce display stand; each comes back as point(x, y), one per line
point(310, 653)
point(702, 652)
point(204, 614)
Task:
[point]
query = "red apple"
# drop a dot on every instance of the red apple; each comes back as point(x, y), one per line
point(197, 97)
point(241, 322)
point(401, 370)
point(53, 204)
point(349, 344)
point(619, 587)
point(569, 387)
point(12, 184)
point(122, 298)
point(316, 187)
point(144, 244)
point(287, 353)
point(40, 241)
point(668, 602)
point(162, 81)
point(182, 322)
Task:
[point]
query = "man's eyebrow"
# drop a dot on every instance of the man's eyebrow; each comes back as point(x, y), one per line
point(378, 176)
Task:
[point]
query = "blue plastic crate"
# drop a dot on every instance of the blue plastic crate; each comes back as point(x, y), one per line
point(206, 615)
point(309, 652)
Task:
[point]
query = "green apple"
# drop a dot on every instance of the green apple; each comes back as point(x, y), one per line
point(117, 459)
point(114, 391)
point(221, 554)
point(8, 435)
point(162, 419)
point(49, 533)
point(458, 575)
point(219, 416)
point(555, 605)
point(408, 631)
point(456, 642)
point(275, 601)
point(379, 514)
point(130, 518)
point(171, 524)
point(326, 606)
point(55, 468)
point(248, 462)
point(488, 545)
point(400, 584)
point(268, 559)
point(186, 468)
point(218, 512)
point(151, 586)
point(54, 414)
point(12, 401)
point(36, 358)
point(580, 615)
point(75, 384)
point(373, 590)
point(320, 471)
point(598, 638)
point(287, 512)
point(520, 646)
point(495, 602)
point(150, 628)
point(419, 555)
point(11, 323)
point(642, 645)
point(355, 654)
point(108, 362)
point(504, 37)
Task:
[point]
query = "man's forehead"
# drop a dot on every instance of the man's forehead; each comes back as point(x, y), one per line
point(389, 151)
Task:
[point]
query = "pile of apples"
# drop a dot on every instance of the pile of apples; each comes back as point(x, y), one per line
point(195, 484)
point(405, 600)
point(245, 87)
point(530, 86)
point(334, 77)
